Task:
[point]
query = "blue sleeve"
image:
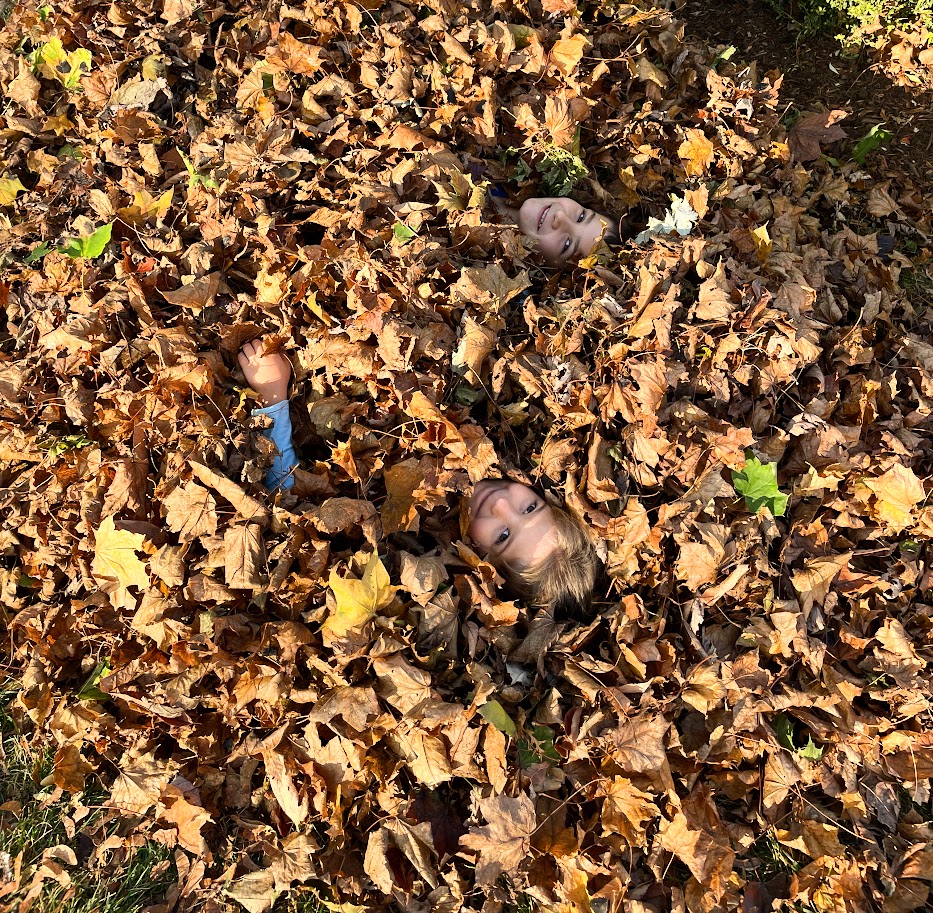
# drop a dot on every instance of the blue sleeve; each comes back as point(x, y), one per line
point(280, 472)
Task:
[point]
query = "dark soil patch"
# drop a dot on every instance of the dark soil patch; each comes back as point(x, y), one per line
point(818, 75)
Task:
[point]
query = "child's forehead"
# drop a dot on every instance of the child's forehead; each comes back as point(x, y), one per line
point(512, 483)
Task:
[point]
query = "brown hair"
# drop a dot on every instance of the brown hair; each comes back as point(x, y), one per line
point(622, 226)
point(563, 581)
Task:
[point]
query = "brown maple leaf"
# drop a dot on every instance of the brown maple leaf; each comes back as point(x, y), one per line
point(813, 130)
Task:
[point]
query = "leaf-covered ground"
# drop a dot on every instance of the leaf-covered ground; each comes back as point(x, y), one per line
point(747, 718)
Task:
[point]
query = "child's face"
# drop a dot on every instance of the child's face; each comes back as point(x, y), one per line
point(563, 229)
point(512, 522)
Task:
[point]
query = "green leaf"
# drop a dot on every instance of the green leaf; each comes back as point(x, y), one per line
point(55, 447)
point(90, 247)
point(195, 176)
point(811, 751)
point(466, 395)
point(724, 54)
point(38, 252)
point(52, 61)
point(784, 727)
point(493, 713)
point(402, 232)
point(539, 749)
point(758, 482)
point(70, 151)
point(89, 690)
point(871, 141)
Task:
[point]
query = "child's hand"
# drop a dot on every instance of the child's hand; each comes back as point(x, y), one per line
point(267, 374)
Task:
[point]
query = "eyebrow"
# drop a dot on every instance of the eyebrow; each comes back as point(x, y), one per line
point(576, 246)
point(512, 537)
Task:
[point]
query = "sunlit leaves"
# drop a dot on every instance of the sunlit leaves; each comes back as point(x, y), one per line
point(67, 67)
point(146, 206)
point(762, 241)
point(458, 193)
point(115, 555)
point(90, 246)
point(260, 666)
point(567, 53)
point(874, 139)
point(696, 152)
point(494, 713)
point(10, 189)
point(679, 219)
point(758, 483)
point(896, 493)
point(356, 601)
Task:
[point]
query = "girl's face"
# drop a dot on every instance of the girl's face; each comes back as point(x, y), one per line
point(563, 229)
point(512, 522)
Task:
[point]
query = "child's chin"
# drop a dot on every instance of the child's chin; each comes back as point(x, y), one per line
point(526, 224)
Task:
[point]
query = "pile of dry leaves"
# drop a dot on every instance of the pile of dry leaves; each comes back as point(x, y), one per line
point(904, 53)
point(327, 687)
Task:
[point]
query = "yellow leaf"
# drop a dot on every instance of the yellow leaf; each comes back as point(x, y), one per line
point(459, 194)
point(10, 188)
point(897, 492)
point(696, 151)
point(146, 206)
point(57, 124)
point(115, 555)
point(54, 62)
point(358, 600)
point(762, 242)
point(568, 52)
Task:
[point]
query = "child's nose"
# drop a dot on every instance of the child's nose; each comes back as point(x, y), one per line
point(499, 506)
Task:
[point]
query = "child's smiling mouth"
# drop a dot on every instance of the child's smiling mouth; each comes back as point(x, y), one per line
point(543, 214)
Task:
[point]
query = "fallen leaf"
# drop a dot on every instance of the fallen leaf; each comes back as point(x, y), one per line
point(897, 492)
point(503, 844)
point(567, 53)
point(814, 130)
point(696, 152)
point(115, 555)
point(357, 601)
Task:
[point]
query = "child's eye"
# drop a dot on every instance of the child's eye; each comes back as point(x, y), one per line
point(566, 246)
point(502, 537)
point(582, 215)
point(531, 508)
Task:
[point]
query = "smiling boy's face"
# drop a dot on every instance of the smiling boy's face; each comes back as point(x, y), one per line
point(512, 522)
point(563, 229)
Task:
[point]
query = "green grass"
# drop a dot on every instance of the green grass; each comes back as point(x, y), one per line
point(298, 900)
point(37, 824)
point(772, 858)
